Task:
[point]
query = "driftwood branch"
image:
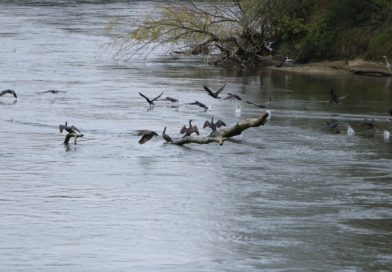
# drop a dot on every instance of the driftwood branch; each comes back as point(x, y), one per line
point(223, 134)
point(70, 135)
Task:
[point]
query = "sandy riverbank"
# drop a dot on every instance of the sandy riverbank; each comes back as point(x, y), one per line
point(356, 66)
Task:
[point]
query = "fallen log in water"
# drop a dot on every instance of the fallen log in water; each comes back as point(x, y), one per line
point(223, 134)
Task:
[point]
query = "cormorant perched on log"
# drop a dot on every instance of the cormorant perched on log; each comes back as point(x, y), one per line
point(8, 91)
point(213, 125)
point(334, 98)
point(51, 91)
point(214, 94)
point(146, 135)
point(188, 131)
point(151, 101)
point(166, 137)
point(197, 103)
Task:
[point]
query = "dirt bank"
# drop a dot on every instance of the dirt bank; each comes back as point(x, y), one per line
point(357, 66)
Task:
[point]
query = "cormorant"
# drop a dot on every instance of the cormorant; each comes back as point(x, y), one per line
point(214, 94)
point(188, 131)
point(197, 103)
point(334, 98)
point(151, 101)
point(232, 96)
point(167, 98)
point(257, 105)
point(368, 124)
point(146, 135)
point(166, 137)
point(51, 91)
point(8, 91)
point(69, 129)
point(213, 125)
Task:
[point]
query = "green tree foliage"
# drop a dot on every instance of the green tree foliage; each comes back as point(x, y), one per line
point(236, 31)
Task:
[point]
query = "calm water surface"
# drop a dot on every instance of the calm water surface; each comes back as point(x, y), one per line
point(288, 196)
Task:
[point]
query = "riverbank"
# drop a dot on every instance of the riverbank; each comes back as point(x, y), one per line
point(356, 66)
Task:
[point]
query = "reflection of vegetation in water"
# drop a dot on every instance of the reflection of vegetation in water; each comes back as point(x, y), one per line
point(240, 31)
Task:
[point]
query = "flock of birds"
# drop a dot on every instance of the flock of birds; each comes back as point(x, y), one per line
point(335, 127)
point(187, 131)
point(146, 135)
point(332, 126)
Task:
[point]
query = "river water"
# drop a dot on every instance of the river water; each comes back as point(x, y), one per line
point(288, 196)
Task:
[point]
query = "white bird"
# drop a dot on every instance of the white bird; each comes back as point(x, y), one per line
point(350, 130)
point(388, 65)
point(237, 111)
point(288, 60)
point(387, 134)
point(268, 46)
point(269, 114)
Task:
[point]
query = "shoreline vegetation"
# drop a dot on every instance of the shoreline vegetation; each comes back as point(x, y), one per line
point(296, 36)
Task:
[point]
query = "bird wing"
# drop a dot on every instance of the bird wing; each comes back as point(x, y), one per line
point(75, 129)
point(232, 96)
point(141, 132)
point(220, 123)
point(171, 99)
point(237, 96)
point(156, 98)
point(195, 129)
point(202, 105)
point(209, 91)
point(334, 97)
point(229, 96)
point(207, 124)
point(8, 91)
point(342, 97)
point(145, 138)
point(148, 100)
point(183, 130)
point(220, 90)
